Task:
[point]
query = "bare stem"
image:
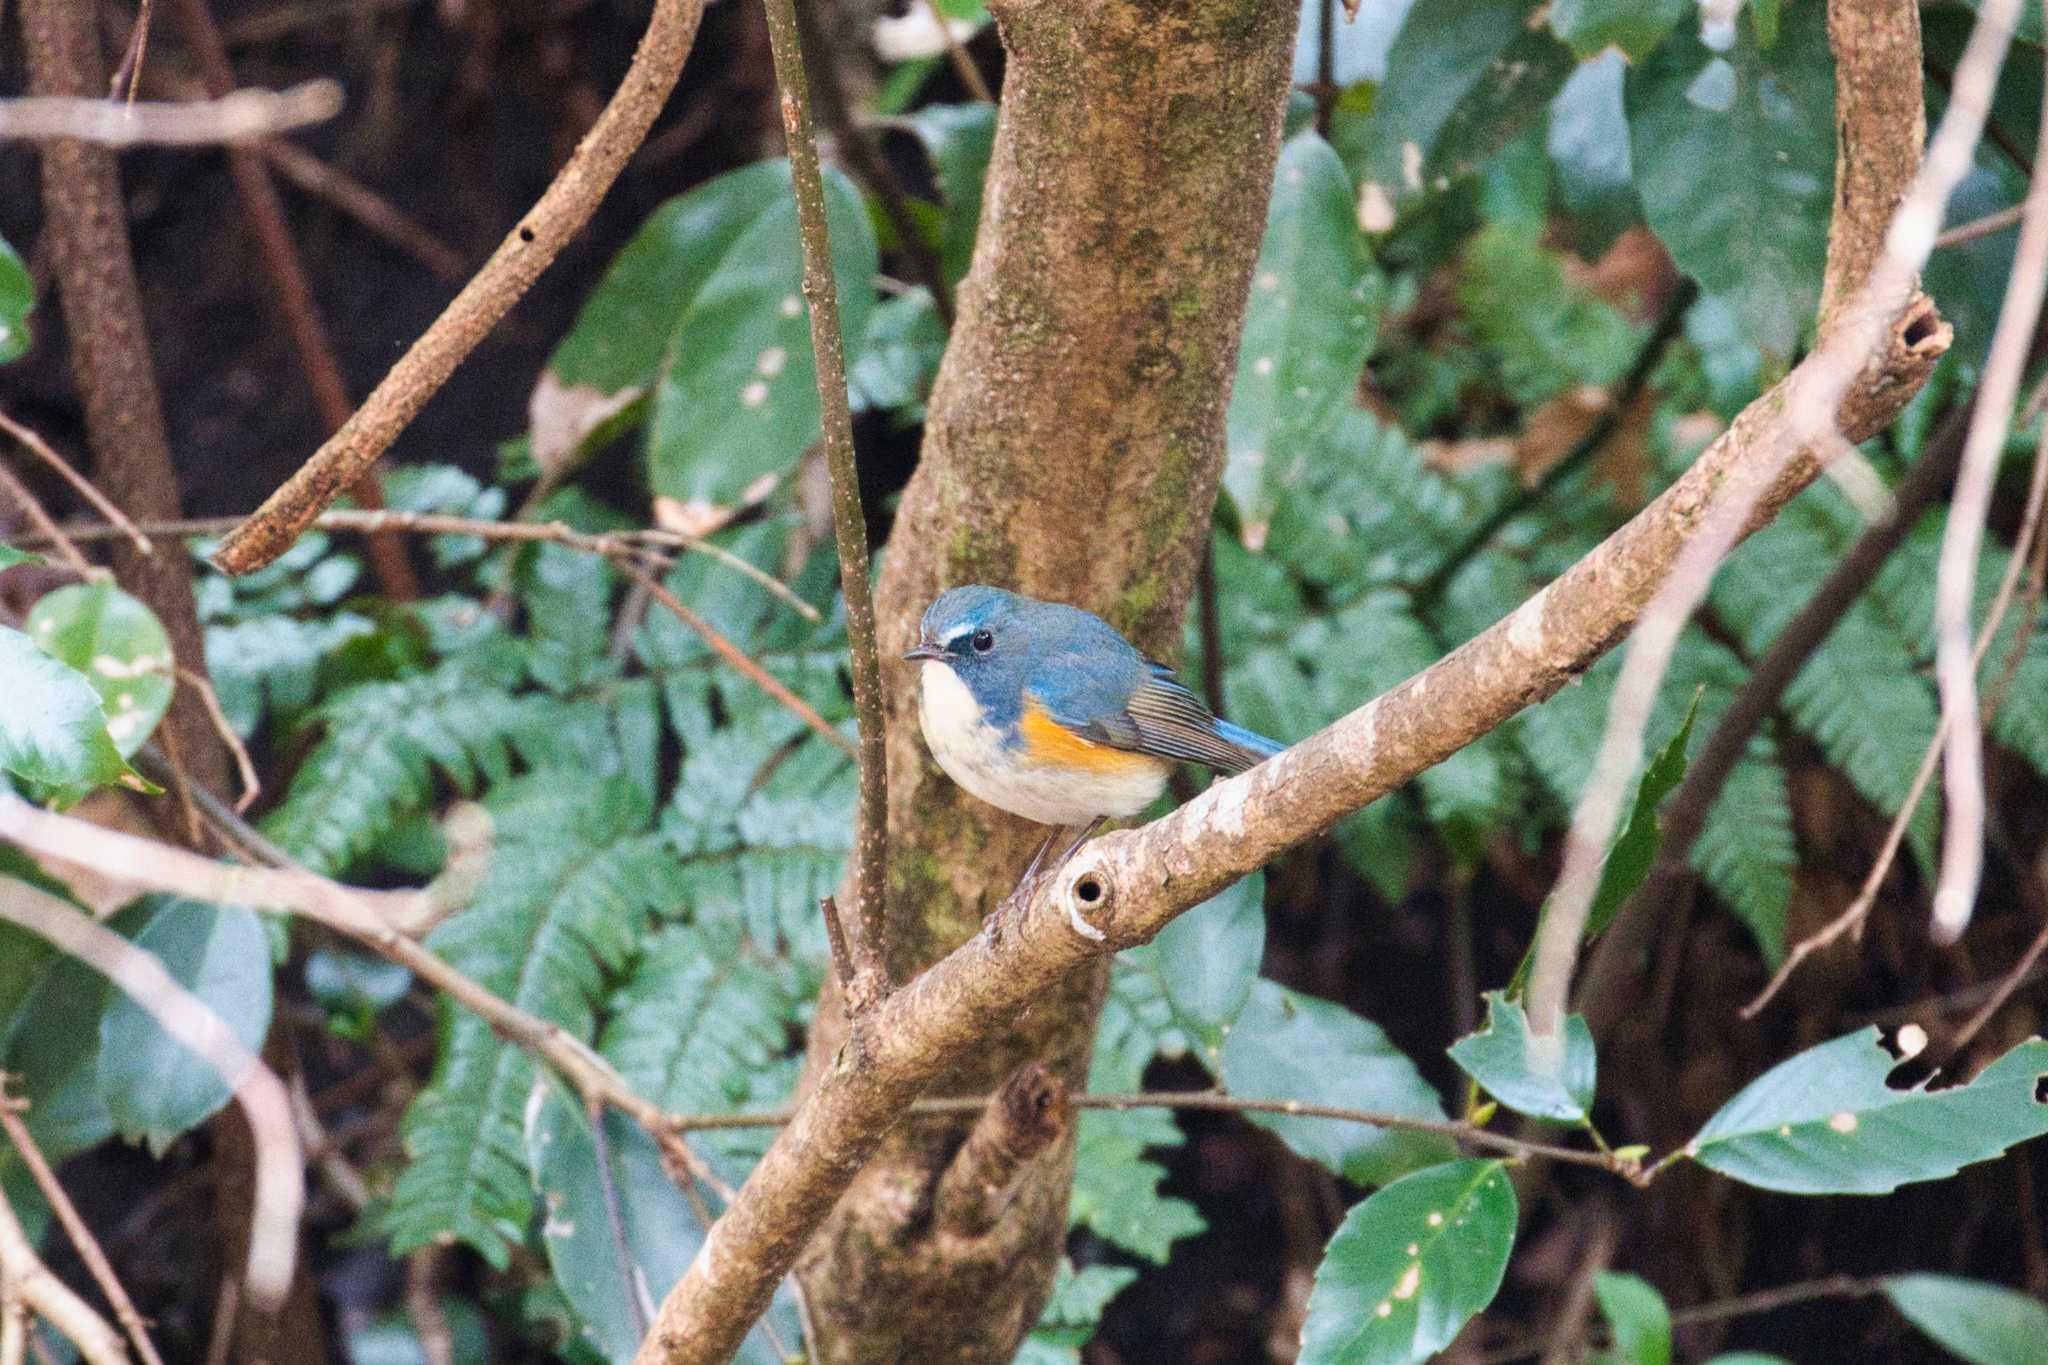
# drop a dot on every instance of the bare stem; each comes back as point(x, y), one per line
point(849, 521)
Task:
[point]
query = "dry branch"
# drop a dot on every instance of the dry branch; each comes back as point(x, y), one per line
point(527, 250)
point(239, 116)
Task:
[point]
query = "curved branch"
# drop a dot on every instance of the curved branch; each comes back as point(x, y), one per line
point(527, 250)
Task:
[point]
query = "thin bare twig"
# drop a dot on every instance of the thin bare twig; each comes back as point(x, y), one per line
point(1741, 1305)
point(1955, 584)
point(245, 770)
point(38, 447)
point(48, 531)
point(241, 116)
point(127, 77)
point(1849, 328)
point(1853, 915)
point(849, 522)
point(957, 53)
point(740, 660)
point(648, 545)
point(279, 1186)
point(82, 1241)
point(342, 190)
point(1979, 227)
point(27, 1284)
point(1215, 1101)
point(530, 247)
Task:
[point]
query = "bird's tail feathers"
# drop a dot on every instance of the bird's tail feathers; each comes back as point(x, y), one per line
point(1255, 747)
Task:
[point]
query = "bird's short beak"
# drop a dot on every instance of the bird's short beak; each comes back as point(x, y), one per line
point(922, 650)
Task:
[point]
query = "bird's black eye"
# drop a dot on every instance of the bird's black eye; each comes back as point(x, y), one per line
point(983, 642)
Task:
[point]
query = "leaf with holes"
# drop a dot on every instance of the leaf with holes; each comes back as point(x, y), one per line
point(119, 647)
point(1552, 1081)
point(1985, 1324)
point(614, 1279)
point(1410, 1266)
point(1292, 1046)
point(1309, 326)
point(1825, 1121)
point(52, 730)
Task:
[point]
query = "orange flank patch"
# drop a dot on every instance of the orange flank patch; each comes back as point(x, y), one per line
point(1047, 741)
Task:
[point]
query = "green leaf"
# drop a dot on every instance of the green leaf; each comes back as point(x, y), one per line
point(1636, 1313)
point(736, 397)
point(1292, 1046)
point(1462, 80)
point(1634, 26)
point(119, 647)
point(1205, 962)
point(1309, 326)
point(1587, 140)
point(1734, 160)
point(1079, 1298)
point(272, 663)
point(1545, 1083)
point(1635, 851)
point(1825, 1121)
point(656, 1221)
point(959, 138)
point(9, 557)
point(1410, 1266)
point(573, 877)
point(52, 729)
point(1116, 1190)
point(52, 1058)
point(155, 1088)
point(1985, 1324)
point(900, 356)
point(17, 301)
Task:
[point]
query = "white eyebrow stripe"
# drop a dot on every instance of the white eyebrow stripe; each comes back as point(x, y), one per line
point(953, 639)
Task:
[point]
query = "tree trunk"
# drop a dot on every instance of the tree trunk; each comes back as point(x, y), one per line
point(1072, 451)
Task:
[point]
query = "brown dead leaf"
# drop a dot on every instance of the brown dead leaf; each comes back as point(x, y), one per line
point(562, 417)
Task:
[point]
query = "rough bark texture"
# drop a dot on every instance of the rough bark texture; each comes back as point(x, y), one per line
point(1073, 449)
point(87, 230)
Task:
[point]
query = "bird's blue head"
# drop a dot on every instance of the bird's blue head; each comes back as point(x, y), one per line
point(985, 635)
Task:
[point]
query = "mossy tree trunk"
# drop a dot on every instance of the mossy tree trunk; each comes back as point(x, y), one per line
point(1073, 450)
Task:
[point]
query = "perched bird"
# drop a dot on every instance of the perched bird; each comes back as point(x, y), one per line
point(1044, 711)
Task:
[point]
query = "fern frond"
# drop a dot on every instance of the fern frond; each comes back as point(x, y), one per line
point(704, 1025)
point(384, 744)
point(272, 663)
point(574, 874)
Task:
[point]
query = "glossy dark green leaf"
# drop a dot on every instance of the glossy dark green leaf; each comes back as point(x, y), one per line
point(118, 646)
point(736, 398)
point(52, 730)
point(1205, 962)
point(17, 300)
point(155, 1087)
point(1551, 1080)
point(900, 357)
point(658, 1225)
point(1292, 1046)
point(1309, 326)
point(52, 1056)
point(1985, 1324)
point(1410, 1266)
point(1637, 1317)
point(959, 139)
point(1633, 26)
point(1826, 1122)
point(1462, 79)
point(1734, 160)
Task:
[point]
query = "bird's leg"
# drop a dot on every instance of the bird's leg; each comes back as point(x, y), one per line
point(999, 921)
point(1088, 831)
point(1031, 871)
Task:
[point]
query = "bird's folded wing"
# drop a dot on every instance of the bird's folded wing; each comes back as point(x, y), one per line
point(1158, 717)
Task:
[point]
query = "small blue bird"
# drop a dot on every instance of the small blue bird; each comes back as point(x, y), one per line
point(1046, 712)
